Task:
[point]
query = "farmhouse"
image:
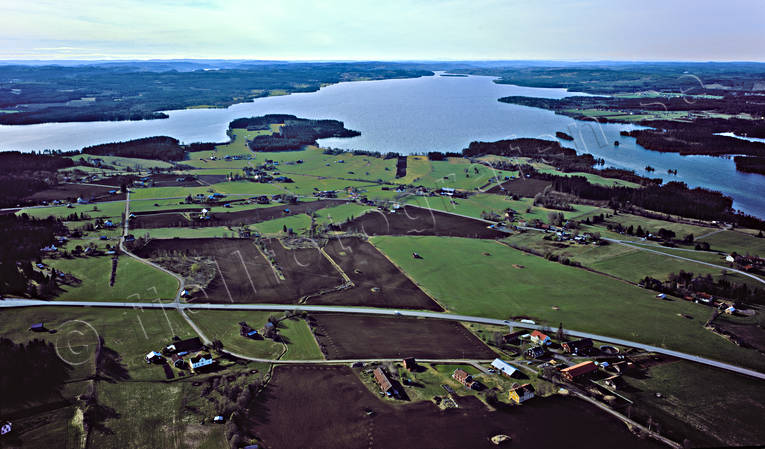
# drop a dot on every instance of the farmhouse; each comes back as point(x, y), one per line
point(578, 346)
point(535, 352)
point(579, 370)
point(540, 338)
point(201, 360)
point(503, 367)
point(465, 379)
point(385, 384)
point(521, 393)
point(37, 327)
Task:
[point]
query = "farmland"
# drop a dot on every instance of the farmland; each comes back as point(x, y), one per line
point(246, 275)
point(343, 337)
point(417, 221)
point(323, 399)
point(377, 282)
point(486, 278)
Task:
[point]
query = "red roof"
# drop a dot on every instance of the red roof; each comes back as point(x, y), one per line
point(580, 369)
point(539, 335)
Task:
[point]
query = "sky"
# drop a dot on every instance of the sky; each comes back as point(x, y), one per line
point(698, 30)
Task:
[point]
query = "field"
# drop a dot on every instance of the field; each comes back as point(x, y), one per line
point(521, 187)
point(351, 337)
point(246, 276)
point(299, 343)
point(417, 221)
point(509, 283)
point(325, 399)
point(735, 241)
point(378, 283)
point(727, 416)
point(475, 205)
point(238, 218)
point(70, 192)
point(135, 281)
point(625, 262)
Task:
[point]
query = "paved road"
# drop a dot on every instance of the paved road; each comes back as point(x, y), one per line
point(10, 303)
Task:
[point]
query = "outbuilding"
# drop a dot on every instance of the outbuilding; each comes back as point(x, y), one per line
point(503, 367)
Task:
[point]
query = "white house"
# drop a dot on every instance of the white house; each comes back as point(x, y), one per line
point(730, 258)
point(503, 367)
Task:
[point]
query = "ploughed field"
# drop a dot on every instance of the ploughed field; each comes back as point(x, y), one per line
point(244, 275)
point(343, 336)
point(526, 187)
point(250, 216)
point(377, 282)
point(410, 220)
point(326, 407)
point(71, 192)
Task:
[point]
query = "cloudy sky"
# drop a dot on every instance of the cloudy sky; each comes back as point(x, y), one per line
point(383, 29)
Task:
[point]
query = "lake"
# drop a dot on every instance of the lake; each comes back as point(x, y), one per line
point(440, 113)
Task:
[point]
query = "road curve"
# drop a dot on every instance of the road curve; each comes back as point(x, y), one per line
point(11, 303)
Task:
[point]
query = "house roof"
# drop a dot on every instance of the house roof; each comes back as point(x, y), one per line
point(503, 366)
point(188, 345)
point(524, 389)
point(461, 375)
point(539, 335)
point(382, 380)
point(580, 369)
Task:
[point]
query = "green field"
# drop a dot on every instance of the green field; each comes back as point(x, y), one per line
point(475, 204)
point(464, 280)
point(135, 281)
point(736, 241)
point(223, 325)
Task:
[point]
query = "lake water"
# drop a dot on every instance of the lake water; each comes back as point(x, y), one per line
point(410, 116)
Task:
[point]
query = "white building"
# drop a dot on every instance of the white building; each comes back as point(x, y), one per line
point(503, 367)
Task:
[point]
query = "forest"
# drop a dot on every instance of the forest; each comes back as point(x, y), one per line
point(159, 147)
point(22, 239)
point(53, 93)
point(23, 174)
point(294, 135)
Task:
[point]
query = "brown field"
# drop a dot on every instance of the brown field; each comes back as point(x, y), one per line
point(245, 276)
point(165, 219)
point(411, 220)
point(325, 407)
point(237, 218)
point(750, 334)
point(341, 336)
point(378, 283)
point(71, 192)
point(522, 187)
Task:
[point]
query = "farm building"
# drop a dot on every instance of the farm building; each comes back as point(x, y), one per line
point(382, 380)
point(578, 346)
point(188, 345)
point(410, 363)
point(535, 352)
point(201, 360)
point(37, 327)
point(581, 369)
point(177, 361)
point(503, 367)
point(465, 379)
point(522, 393)
point(540, 338)
point(154, 357)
